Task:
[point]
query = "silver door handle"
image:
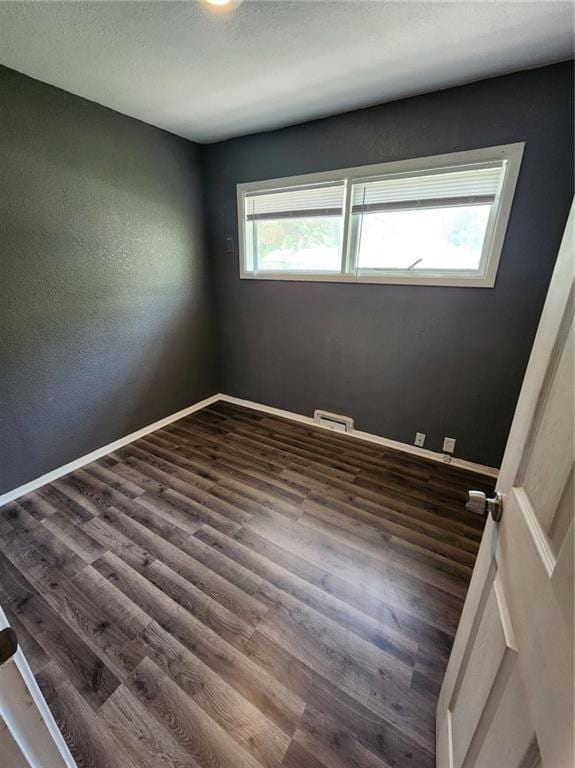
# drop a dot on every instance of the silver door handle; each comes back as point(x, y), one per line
point(479, 504)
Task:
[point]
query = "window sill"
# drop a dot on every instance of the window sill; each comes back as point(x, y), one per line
point(445, 281)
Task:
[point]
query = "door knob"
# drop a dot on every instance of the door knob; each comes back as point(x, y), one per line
point(479, 504)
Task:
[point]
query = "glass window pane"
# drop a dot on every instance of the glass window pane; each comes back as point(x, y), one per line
point(298, 244)
point(423, 239)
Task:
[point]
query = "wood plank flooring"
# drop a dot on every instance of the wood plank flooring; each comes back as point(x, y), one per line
point(240, 591)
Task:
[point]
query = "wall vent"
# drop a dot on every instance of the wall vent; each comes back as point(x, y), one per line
point(333, 421)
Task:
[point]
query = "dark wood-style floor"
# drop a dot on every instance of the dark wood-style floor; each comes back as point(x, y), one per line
point(241, 591)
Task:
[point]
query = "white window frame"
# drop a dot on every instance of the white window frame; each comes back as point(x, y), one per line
point(483, 277)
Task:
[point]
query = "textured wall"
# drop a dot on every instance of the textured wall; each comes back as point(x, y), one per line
point(105, 321)
point(105, 301)
point(444, 361)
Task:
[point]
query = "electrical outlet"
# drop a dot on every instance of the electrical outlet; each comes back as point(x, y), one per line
point(449, 445)
point(419, 439)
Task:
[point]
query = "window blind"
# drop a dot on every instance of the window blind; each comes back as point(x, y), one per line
point(471, 186)
point(298, 202)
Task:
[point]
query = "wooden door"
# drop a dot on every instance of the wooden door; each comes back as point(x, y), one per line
point(29, 736)
point(507, 696)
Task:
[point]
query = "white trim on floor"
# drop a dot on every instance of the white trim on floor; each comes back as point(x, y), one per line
point(481, 469)
point(55, 474)
point(27, 716)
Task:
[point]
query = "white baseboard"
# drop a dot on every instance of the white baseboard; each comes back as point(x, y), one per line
point(481, 469)
point(55, 474)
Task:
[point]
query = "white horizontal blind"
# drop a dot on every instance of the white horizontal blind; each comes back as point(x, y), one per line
point(469, 186)
point(299, 202)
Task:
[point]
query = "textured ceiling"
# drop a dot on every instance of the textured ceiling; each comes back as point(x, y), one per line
point(208, 76)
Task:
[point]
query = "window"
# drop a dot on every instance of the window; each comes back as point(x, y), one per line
point(295, 230)
point(432, 221)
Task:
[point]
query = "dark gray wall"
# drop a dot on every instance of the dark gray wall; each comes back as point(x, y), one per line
point(105, 295)
point(401, 359)
point(105, 317)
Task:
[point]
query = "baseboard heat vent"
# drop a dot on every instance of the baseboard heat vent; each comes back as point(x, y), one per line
point(333, 421)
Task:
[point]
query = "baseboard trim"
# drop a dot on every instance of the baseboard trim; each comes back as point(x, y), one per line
point(368, 437)
point(55, 474)
point(356, 434)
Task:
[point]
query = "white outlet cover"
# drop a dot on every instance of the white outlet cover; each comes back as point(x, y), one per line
point(419, 439)
point(449, 444)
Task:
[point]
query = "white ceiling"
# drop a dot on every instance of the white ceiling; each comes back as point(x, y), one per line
point(209, 76)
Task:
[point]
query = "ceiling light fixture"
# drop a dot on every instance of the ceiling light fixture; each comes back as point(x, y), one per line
point(223, 5)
